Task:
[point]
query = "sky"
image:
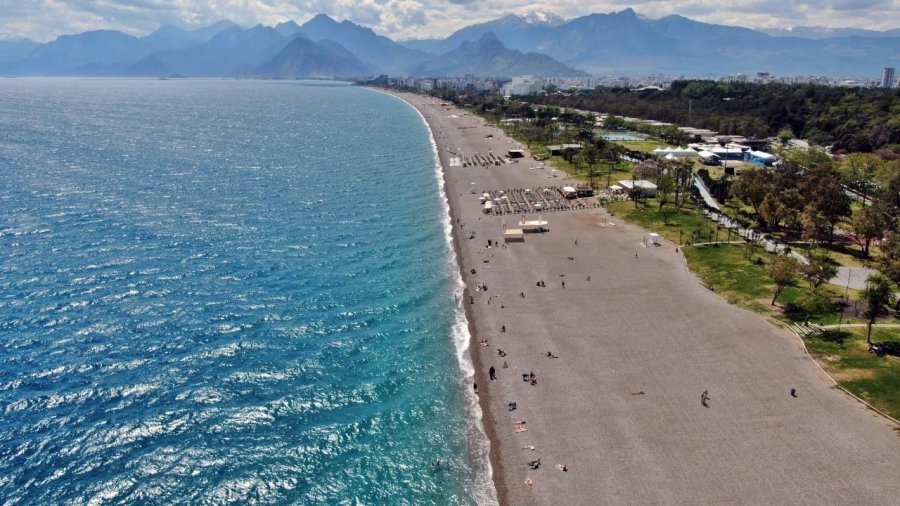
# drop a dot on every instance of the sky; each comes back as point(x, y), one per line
point(44, 20)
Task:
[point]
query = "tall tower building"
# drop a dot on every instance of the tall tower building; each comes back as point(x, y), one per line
point(887, 77)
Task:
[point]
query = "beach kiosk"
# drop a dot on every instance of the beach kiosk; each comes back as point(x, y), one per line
point(512, 234)
point(538, 225)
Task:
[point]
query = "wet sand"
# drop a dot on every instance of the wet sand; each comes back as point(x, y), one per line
point(637, 344)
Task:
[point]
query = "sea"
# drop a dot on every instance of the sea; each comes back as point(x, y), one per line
point(228, 292)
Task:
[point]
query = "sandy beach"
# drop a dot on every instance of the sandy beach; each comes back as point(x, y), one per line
point(638, 340)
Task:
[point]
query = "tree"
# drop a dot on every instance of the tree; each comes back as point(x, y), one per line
point(771, 210)
point(816, 302)
point(859, 171)
point(683, 174)
point(785, 136)
point(752, 187)
point(647, 169)
point(665, 186)
point(533, 133)
point(589, 156)
point(879, 295)
point(815, 226)
point(890, 262)
point(827, 197)
point(867, 225)
point(783, 271)
point(820, 270)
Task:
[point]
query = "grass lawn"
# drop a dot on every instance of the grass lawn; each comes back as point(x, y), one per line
point(680, 226)
point(646, 145)
point(875, 379)
point(727, 271)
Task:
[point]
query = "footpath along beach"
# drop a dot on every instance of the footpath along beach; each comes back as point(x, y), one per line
point(638, 340)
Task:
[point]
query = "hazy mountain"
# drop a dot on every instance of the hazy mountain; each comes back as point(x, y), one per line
point(172, 37)
point(15, 50)
point(625, 43)
point(232, 52)
point(67, 53)
point(822, 32)
point(288, 29)
point(518, 32)
point(307, 59)
point(364, 43)
point(103, 52)
point(489, 57)
point(617, 43)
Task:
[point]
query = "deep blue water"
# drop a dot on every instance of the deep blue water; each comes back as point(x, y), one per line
point(227, 292)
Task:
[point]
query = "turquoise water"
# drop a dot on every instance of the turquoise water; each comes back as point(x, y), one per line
point(227, 292)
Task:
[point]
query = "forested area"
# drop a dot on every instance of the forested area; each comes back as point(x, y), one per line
point(850, 119)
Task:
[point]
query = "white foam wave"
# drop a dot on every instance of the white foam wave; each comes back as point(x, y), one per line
point(485, 493)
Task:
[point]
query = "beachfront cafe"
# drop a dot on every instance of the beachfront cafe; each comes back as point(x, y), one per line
point(646, 187)
point(557, 149)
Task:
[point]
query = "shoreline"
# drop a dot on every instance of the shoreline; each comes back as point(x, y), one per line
point(483, 422)
point(637, 345)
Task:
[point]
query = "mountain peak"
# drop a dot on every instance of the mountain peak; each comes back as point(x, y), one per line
point(488, 37)
point(536, 17)
point(288, 28)
point(321, 19)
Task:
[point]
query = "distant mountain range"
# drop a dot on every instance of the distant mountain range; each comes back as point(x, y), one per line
point(618, 43)
point(822, 32)
point(626, 43)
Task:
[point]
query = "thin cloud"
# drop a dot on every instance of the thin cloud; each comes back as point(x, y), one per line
point(44, 20)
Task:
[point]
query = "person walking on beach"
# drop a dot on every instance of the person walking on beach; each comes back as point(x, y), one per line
point(704, 399)
point(492, 373)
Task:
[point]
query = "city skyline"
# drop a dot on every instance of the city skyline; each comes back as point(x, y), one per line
point(44, 20)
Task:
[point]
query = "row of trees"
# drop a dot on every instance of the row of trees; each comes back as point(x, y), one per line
point(811, 185)
point(879, 293)
point(673, 179)
point(808, 196)
point(803, 201)
point(851, 119)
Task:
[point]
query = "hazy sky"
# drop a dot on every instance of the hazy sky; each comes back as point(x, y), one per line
point(43, 20)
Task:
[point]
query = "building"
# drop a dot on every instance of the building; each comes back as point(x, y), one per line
point(760, 158)
point(887, 77)
point(646, 187)
point(523, 85)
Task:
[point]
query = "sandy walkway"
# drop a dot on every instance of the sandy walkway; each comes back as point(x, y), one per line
point(643, 323)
